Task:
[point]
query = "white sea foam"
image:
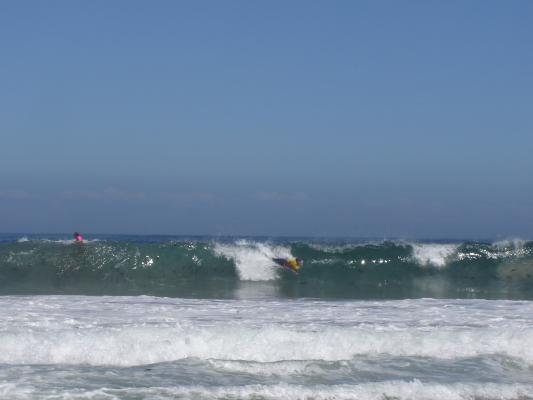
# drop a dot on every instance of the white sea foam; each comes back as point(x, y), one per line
point(433, 254)
point(75, 347)
point(515, 244)
point(395, 389)
point(413, 390)
point(23, 239)
point(139, 331)
point(253, 259)
point(510, 248)
point(146, 345)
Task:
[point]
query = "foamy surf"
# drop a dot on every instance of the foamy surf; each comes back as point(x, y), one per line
point(436, 255)
point(414, 390)
point(149, 347)
point(137, 331)
point(253, 260)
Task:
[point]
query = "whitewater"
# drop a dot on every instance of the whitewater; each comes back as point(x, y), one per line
point(144, 317)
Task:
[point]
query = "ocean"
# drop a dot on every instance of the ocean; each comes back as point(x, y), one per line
point(162, 317)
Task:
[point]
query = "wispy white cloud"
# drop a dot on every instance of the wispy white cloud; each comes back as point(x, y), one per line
point(12, 194)
point(186, 198)
point(110, 193)
point(281, 196)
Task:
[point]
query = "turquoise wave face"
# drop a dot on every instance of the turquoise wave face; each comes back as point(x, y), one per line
point(244, 268)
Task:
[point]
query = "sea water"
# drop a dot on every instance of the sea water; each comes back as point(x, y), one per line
point(213, 318)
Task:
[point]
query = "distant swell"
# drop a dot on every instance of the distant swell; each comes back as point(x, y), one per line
point(231, 269)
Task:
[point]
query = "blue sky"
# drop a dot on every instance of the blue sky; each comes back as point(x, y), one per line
point(341, 118)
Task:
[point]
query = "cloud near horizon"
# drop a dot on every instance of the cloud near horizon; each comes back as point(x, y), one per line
point(281, 196)
point(109, 193)
point(13, 194)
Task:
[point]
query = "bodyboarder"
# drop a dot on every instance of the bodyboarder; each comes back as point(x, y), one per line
point(294, 264)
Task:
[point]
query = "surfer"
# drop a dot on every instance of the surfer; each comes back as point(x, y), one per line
point(78, 238)
point(294, 264)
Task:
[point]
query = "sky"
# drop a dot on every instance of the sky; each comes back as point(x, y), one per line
point(382, 119)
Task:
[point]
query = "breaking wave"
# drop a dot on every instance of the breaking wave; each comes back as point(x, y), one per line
point(228, 268)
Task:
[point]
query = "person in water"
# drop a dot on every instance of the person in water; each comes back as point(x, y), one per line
point(294, 264)
point(77, 237)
